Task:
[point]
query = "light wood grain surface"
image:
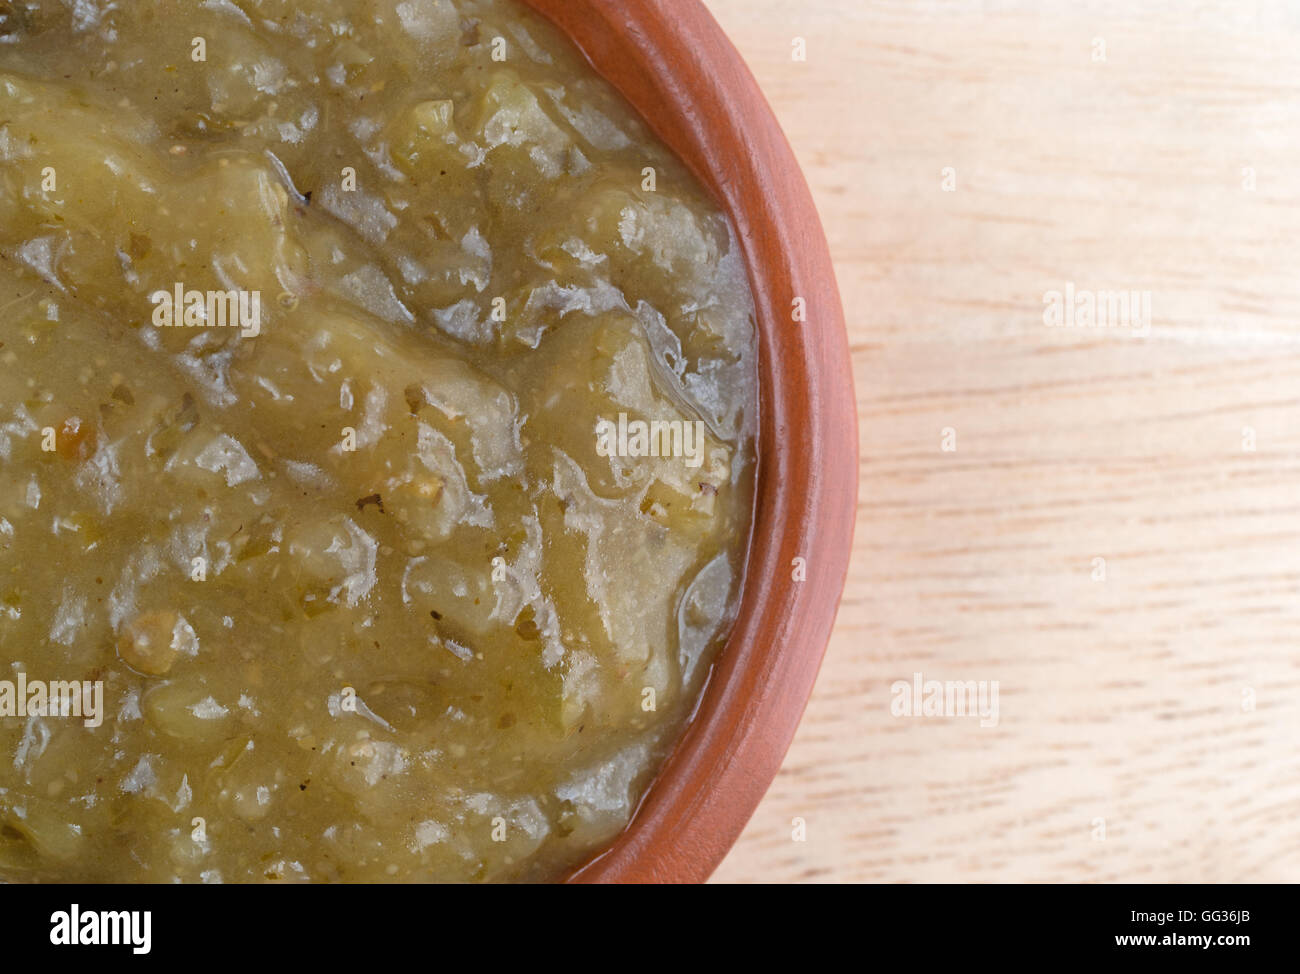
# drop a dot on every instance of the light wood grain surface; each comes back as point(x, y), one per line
point(1149, 722)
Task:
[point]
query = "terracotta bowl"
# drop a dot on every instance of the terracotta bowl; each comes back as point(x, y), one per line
point(670, 59)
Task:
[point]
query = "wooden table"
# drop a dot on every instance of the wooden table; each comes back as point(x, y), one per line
point(1149, 704)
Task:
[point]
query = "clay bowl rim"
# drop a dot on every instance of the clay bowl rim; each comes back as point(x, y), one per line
point(676, 66)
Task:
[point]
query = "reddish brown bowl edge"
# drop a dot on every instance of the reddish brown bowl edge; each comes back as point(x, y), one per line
point(675, 65)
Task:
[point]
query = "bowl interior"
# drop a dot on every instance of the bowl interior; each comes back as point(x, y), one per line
point(674, 64)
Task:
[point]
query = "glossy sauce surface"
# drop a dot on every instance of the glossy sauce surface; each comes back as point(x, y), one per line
point(368, 599)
